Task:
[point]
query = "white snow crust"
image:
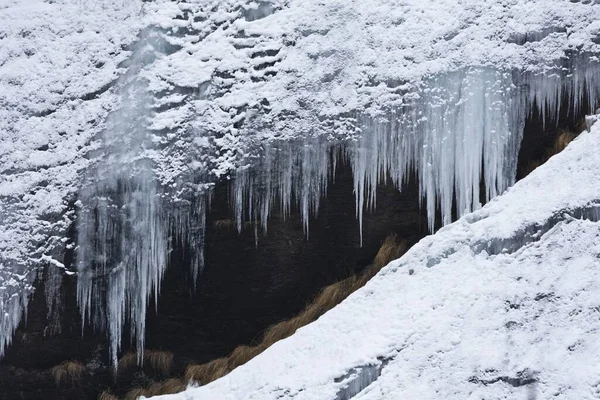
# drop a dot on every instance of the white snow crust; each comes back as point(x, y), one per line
point(502, 304)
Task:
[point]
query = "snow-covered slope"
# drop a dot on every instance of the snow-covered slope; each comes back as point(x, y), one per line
point(159, 99)
point(502, 304)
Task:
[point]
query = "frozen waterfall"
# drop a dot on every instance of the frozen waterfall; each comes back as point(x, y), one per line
point(125, 219)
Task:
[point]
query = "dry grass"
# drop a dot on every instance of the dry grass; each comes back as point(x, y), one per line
point(107, 396)
point(71, 370)
point(128, 362)
point(581, 125)
point(169, 386)
point(208, 372)
point(531, 166)
point(174, 385)
point(281, 330)
point(242, 354)
point(157, 361)
point(136, 393)
point(328, 297)
point(224, 225)
point(391, 249)
point(160, 361)
point(562, 140)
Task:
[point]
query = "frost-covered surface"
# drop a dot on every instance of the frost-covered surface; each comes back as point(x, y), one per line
point(439, 87)
point(502, 304)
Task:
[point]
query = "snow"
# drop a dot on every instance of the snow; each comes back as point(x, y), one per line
point(184, 94)
point(459, 316)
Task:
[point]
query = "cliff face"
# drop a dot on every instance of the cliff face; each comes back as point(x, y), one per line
point(138, 137)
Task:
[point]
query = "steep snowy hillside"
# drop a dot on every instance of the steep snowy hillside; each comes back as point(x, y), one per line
point(118, 117)
point(502, 304)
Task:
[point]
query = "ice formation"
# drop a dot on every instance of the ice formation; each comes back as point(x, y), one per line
point(57, 63)
point(462, 128)
point(502, 303)
point(273, 94)
point(125, 218)
point(456, 131)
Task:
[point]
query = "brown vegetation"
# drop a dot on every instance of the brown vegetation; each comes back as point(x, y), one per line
point(208, 372)
point(107, 396)
point(562, 140)
point(158, 362)
point(391, 249)
point(135, 394)
point(72, 370)
point(328, 297)
point(242, 354)
point(127, 362)
point(156, 389)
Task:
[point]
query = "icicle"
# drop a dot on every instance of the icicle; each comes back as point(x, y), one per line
point(457, 127)
point(54, 299)
point(13, 304)
point(289, 170)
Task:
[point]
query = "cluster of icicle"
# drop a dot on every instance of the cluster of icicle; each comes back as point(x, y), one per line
point(460, 130)
point(13, 303)
point(125, 220)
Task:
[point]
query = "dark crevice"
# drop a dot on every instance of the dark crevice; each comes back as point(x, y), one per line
point(539, 135)
point(242, 290)
point(95, 94)
point(526, 235)
point(534, 232)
